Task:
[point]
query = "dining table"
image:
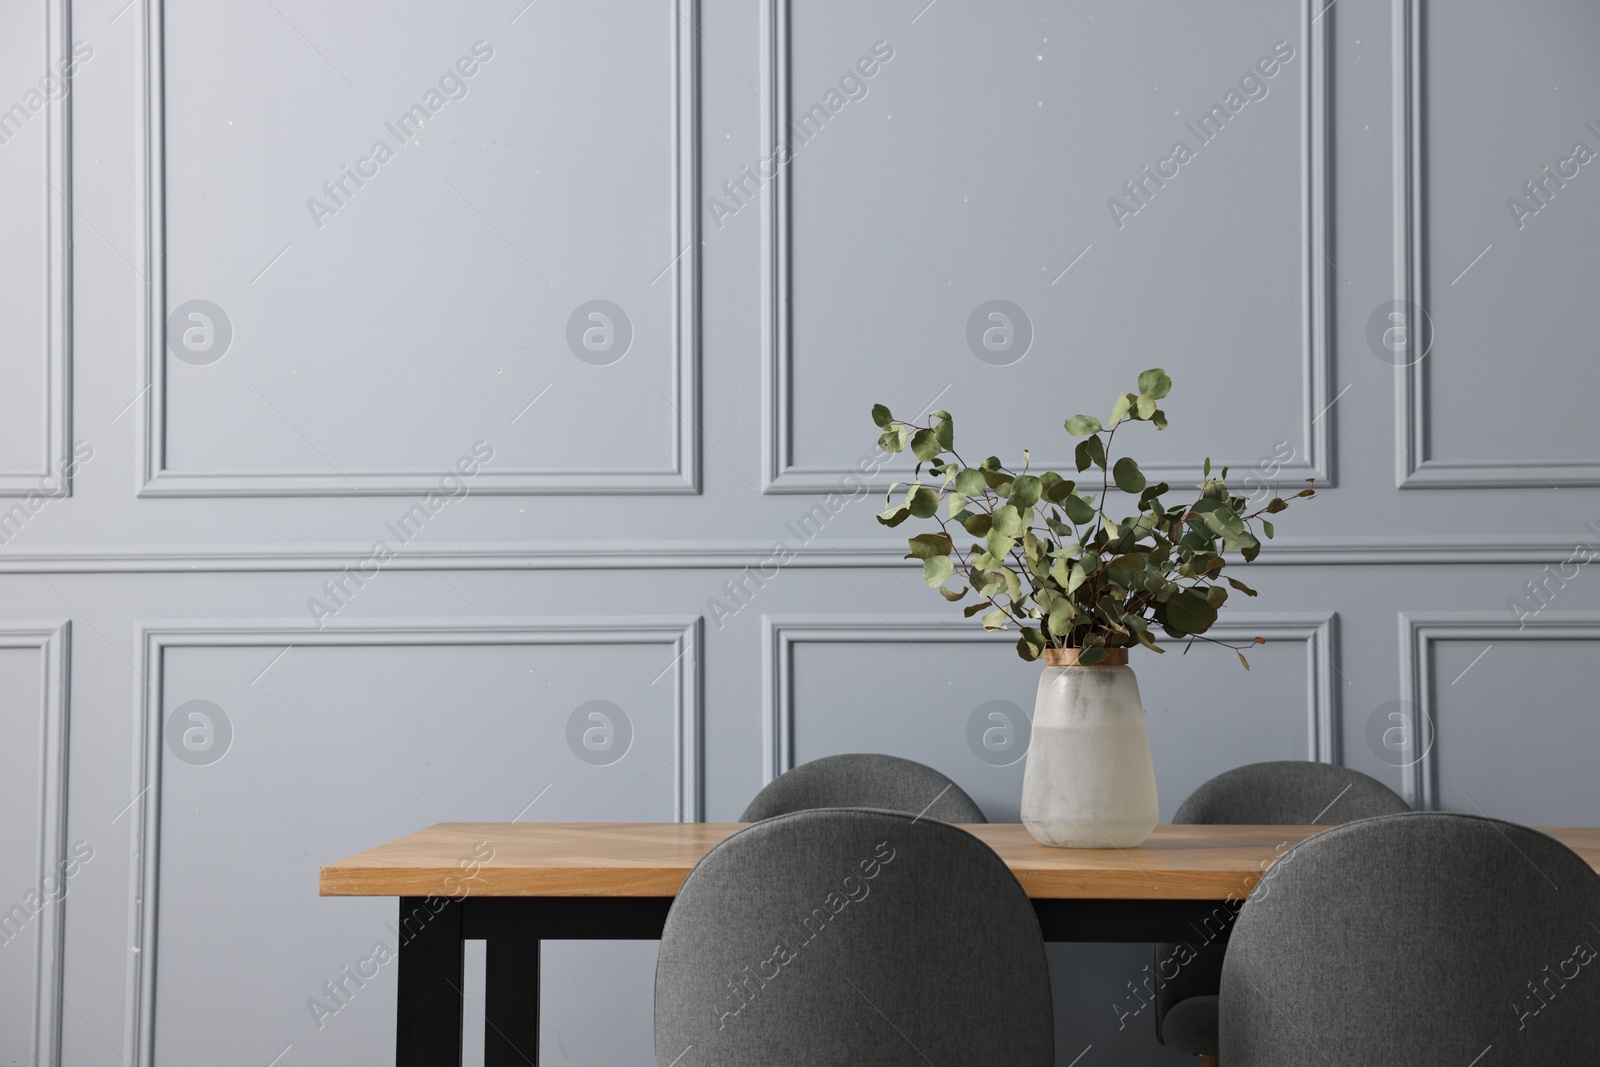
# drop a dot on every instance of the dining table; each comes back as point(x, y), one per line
point(514, 885)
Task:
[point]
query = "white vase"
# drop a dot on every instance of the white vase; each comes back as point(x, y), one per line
point(1089, 782)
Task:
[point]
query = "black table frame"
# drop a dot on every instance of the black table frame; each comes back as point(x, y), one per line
point(434, 932)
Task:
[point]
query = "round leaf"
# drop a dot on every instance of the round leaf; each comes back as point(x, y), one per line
point(1154, 383)
point(1128, 476)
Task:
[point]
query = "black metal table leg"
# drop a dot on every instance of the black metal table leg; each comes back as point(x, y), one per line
point(433, 932)
point(511, 1018)
point(428, 1016)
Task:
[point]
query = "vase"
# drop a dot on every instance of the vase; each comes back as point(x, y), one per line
point(1088, 781)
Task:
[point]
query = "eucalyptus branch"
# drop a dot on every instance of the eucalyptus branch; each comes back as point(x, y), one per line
point(1168, 560)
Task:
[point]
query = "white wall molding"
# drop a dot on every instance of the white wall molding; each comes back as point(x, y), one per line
point(1420, 632)
point(1414, 467)
point(780, 633)
point(887, 551)
point(681, 476)
point(682, 634)
point(56, 193)
point(52, 640)
point(1314, 454)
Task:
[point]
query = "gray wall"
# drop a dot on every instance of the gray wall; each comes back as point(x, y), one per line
point(374, 341)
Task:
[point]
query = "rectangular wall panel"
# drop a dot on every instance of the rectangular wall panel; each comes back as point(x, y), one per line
point(1494, 250)
point(1502, 711)
point(36, 233)
point(382, 173)
point(40, 870)
point(270, 752)
point(1017, 264)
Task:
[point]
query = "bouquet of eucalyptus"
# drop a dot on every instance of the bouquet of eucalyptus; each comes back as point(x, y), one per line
point(1049, 556)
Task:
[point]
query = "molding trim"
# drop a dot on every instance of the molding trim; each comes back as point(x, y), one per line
point(52, 639)
point(1414, 468)
point(781, 475)
point(682, 633)
point(57, 131)
point(780, 633)
point(155, 479)
point(1419, 633)
point(711, 555)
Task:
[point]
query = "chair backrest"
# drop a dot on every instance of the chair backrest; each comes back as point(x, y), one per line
point(865, 780)
point(844, 937)
point(1424, 938)
point(1280, 793)
point(1289, 793)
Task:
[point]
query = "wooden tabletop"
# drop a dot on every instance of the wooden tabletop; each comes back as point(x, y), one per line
point(609, 859)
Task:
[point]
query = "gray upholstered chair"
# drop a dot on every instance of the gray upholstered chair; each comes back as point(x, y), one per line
point(1283, 793)
point(839, 937)
point(1426, 938)
point(865, 780)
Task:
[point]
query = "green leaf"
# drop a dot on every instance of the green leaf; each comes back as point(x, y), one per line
point(1013, 584)
point(1061, 617)
point(1056, 488)
point(1076, 577)
point(1267, 528)
point(930, 546)
point(1127, 475)
point(1030, 646)
point(1078, 510)
point(1159, 420)
point(881, 416)
point(998, 543)
point(1124, 404)
point(892, 441)
point(1025, 491)
point(1189, 612)
point(1220, 517)
point(925, 444)
point(923, 502)
point(952, 595)
point(1151, 497)
point(894, 516)
point(1090, 656)
point(1080, 425)
point(1008, 520)
point(944, 429)
point(1237, 584)
point(1154, 383)
point(1277, 504)
point(936, 570)
point(1144, 407)
point(972, 609)
point(1131, 562)
point(970, 482)
point(978, 524)
point(995, 620)
point(1097, 451)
